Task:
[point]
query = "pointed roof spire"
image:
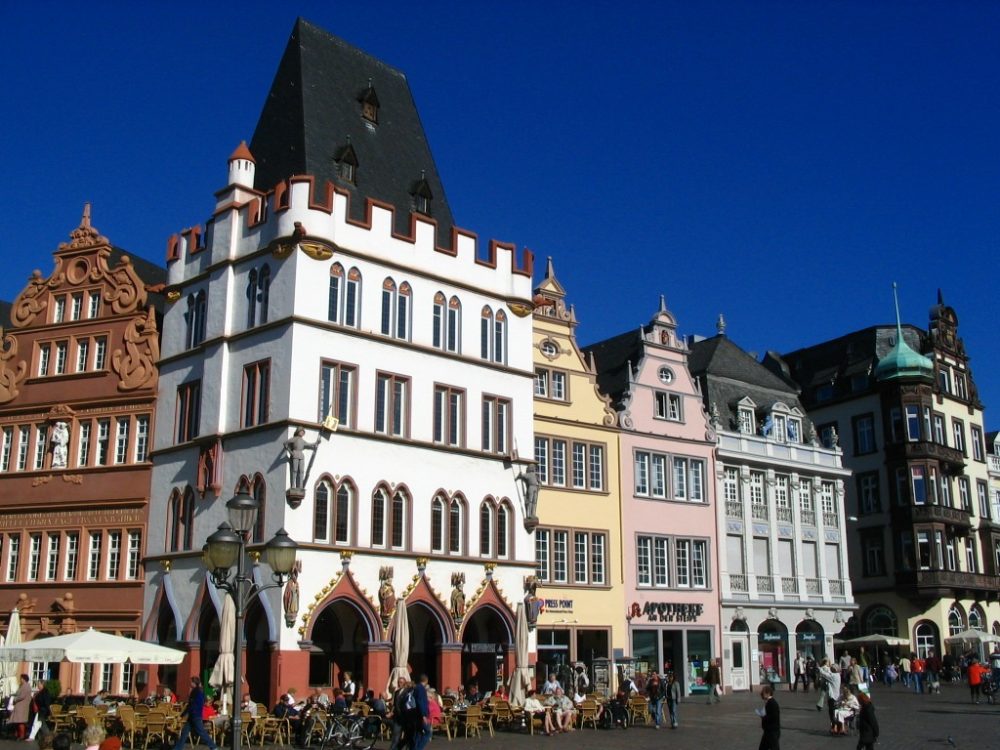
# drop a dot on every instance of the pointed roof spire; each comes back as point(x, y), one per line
point(663, 304)
point(720, 325)
point(242, 152)
point(902, 361)
point(550, 270)
point(85, 219)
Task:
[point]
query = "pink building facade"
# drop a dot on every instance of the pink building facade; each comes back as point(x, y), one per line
point(668, 498)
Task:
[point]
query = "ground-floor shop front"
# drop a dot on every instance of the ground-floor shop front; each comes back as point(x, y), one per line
point(760, 643)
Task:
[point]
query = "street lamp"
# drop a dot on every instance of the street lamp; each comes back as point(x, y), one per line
point(225, 548)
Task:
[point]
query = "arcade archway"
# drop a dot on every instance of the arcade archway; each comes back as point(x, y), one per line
point(340, 639)
point(486, 640)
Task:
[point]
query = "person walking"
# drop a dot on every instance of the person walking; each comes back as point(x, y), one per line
point(22, 708)
point(975, 677)
point(799, 672)
point(770, 720)
point(904, 670)
point(43, 710)
point(830, 679)
point(917, 673)
point(932, 671)
point(417, 717)
point(867, 723)
point(194, 710)
point(654, 693)
point(863, 663)
point(713, 678)
point(673, 696)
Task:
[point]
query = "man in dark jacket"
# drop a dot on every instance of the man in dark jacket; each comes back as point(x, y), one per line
point(867, 723)
point(417, 717)
point(195, 723)
point(770, 720)
point(43, 706)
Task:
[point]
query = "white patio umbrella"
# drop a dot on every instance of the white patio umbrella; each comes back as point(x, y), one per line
point(520, 681)
point(225, 668)
point(400, 646)
point(972, 636)
point(875, 640)
point(91, 647)
point(8, 667)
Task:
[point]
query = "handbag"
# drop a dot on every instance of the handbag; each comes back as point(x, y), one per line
point(718, 689)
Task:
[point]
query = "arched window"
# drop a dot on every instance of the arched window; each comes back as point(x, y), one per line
point(926, 638)
point(396, 309)
point(486, 529)
point(881, 621)
point(173, 511)
point(264, 292)
point(453, 327)
point(977, 620)
point(259, 491)
point(389, 519)
point(333, 511)
point(344, 299)
point(996, 627)
point(438, 323)
point(503, 530)
point(956, 620)
point(500, 337)
point(447, 524)
point(485, 333)
point(194, 318)
point(252, 298)
point(181, 522)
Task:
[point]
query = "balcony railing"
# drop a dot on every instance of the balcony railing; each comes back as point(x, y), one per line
point(759, 512)
point(809, 517)
point(948, 581)
point(831, 519)
point(932, 513)
point(836, 587)
point(738, 582)
point(919, 449)
point(765, 584)
point(814, 587)
point(789, 585)
point(994, 463)
point(783, 514)
point(734, 509)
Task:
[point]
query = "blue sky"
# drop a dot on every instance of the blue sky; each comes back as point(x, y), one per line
point(778, 162)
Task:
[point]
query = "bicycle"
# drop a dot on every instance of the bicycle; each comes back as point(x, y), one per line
point(351, 731)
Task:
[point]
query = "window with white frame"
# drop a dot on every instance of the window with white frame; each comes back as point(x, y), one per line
point(94, 556)
point(560, 570)
point(550, 384)
point(558, 475)
point(107, 673)
point(93, 305)
point(23, 435)
point(392, 404)
point(672, 562)
point(757, 488)
point(964, 494)
point(586, 463)
point(103, 441)
point(82, 354)
point(59, 312)
point(13, 556)
point(826, 497)
point(958, 433)
point(337, 392)
point(83, 444)
point(731, 484)
point(449, 415)
point(781, 491)
point(747, 420)
point(114, 554)
point(72, 555)
point(496, 423)
point(52, 557)
point(100, 352)
point(961, 387)
point(41, 435)
point(978, 448)
point(667, 406)
point(982, 493)
point(121, 440)
point(141, 438)
point(344, 297)
point(34, 556)
point(44, 354)
point(686, 483)
point(76, 307)
point(134, 555)
point(806, 495)
point(939, 432)
point(543, 563)
point(6, 447)
point(689, 479)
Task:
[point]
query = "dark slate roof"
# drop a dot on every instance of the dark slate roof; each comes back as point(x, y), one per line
point(612, 357)
point(314, 107)
point(729, 374)
point(149, 272)
point(837, 360)
point(5, 308)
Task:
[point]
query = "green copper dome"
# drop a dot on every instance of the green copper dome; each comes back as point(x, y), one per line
point(903, 361)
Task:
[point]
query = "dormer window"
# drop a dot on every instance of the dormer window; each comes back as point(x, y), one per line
point(422, 195)
point(747, 421)
point(794, 430)
point(369, 104)
point(347, 163)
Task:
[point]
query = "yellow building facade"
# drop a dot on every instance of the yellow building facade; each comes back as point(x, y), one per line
point(578, 541)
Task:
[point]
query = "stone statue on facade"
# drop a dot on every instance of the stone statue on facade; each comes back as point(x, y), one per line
point(290, 597)
point(532, 604)
point(457, 596)
point(296, 447)
point(529, 478)
point(386, 594)
point(60, 444)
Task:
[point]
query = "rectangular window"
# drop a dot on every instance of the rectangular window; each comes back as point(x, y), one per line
point(541, 382)
point(559, 463)
point(72, 555)
point(964, 494)
point(100, 352)
point(392, 405)
point(826, 498)
point(597, 467)
point(449, 415)
point(961, 390)
point(641, 473)
point(580, 562)
point(141, 438)
point(983, 494)
point(579, 466)
point(256, 393)
point(13, 556)
point(6, 448)
point(83, 446)
point(682, 562)
point(970, 556)
point(52, 558)
point(699, 564)
point(188, 417)
point(597, 562)
point(34, 556)
point(542, 554)
point(451, 341)
point(121, 440)
point(77, 307)
point(958, 431)
point(731, 485)
point(668, 406)
point(41, 433)
point(23, 435)
point(61, 358)
point(59, 313)
point(939, 435)
point(864, 434)
point(781, 491)
point(107, 671)
point(747, 424)
point(94, 306)
point(874, 554)
point(337, 392)
point(559, 552)
point(94, 556)
point(44, 352)
point(660, 566)
point(82, 354)
point(134, 555)
point(103, 441)
point(644, 552)
point(868, 492)
point(114, 554)
point(496, 424)
point(559, 385)
point(912, 423)
point(542, 459)
point(919, 485)
point(977, 443)
point(658, 475)
point(757, 488)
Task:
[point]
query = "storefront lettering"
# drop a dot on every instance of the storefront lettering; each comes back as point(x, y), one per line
point(110, 517)
point(557, 605)
point(670, 611)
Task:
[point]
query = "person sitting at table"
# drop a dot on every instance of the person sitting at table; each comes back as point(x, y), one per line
point(562, 711)
point(376, 703)
point(211, 713)
point(500, 694)
point(472, 694)
point(452, 693)
point(550, 685)
point(435, 711)
point(249, 706)
point(101, 699)
point(618, 706)
point(319, 698)
point(339, 705)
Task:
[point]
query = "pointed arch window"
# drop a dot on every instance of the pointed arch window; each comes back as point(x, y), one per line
point(344, 296)
point(259, 491)
point(396, 309)
point(194, 318)
point(180, 520)
point(495, 528)
point(264, 292)
point(252, 298)
point(333, 511)
point(485, 328)
point(493, 335)
point(447, 524)
point(447, 324)
point(390, 517)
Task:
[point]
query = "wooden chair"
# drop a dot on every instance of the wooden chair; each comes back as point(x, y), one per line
point(141, 709)
point(503, 715)
point(448, 725)
point(157, 730)
point(588, 713)
point(474, 721)
point(126, 717)
point(316, 729)
point(638, 708)
point(533, 720)
point(272, 729)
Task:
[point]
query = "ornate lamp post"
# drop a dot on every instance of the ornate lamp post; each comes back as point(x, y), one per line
point(225, 548)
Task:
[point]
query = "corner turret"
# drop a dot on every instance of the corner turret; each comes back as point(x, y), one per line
point(903, 361)
point(242, 167)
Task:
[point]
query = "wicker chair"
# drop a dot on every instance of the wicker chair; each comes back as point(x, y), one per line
point(588, 713)
point(638, 708)
point(474, 721)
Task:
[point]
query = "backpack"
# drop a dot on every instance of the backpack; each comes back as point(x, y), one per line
point(409, 701)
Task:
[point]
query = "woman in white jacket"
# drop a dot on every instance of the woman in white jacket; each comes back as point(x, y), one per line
point(830, 681)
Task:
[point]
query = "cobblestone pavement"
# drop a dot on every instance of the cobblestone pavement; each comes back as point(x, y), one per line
point(908, 722)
